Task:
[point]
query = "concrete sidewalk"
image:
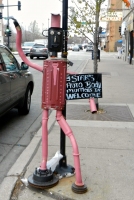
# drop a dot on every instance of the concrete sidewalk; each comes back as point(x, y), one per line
point(105, 141)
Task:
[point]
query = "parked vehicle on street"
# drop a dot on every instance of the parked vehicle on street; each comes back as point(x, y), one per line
point(39, 50)
point(75, 48)
point(26, 47)
point(84, 46)
point(89, 48)
point(16, 83)
point(69, 47)
point(80, 46)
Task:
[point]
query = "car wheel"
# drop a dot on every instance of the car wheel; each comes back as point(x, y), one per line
point(31, 57)
point(24, 110)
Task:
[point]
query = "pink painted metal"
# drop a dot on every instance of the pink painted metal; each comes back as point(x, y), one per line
point(21, 53)
point(54, 84)
point(44, 140)
point(55, 21)
point(93, 108)
point(68, 132)
point(53, 96)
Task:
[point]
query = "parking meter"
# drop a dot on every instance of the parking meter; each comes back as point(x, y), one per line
point(55, 39)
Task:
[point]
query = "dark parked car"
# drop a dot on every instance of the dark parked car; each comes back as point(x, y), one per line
point(89, 48)
point(16, 83)
point(80, 46)
point(39, 50)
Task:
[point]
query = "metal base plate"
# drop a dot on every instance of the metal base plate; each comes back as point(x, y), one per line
point(43, 185)
point(79, 189)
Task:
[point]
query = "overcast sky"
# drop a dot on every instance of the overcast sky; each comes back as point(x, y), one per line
point(39, 10)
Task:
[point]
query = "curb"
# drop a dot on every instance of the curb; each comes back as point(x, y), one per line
point(8, 184)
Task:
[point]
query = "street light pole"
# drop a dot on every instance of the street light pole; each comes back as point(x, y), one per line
point(63, 162)
point(48, 23)
point(8, 24)
point(63, 168)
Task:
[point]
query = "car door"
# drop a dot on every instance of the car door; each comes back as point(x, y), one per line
point(17, 78)
point(5, 90)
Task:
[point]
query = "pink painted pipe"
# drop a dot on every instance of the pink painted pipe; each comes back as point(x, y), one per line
point(55, 20)
point(67, 130)
point(93, 108)
point(44, 140)
point(21, 53)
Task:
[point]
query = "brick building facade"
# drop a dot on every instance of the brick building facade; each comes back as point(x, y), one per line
point(113, 34)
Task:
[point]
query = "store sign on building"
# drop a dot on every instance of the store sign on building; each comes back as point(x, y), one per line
point(111, 16)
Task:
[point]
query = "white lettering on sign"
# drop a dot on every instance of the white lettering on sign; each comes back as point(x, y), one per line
point(82, 86)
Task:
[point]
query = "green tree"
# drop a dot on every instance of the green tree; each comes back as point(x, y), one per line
point(84, 20)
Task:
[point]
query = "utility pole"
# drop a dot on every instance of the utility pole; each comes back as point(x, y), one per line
point(63, 168)
point(63, 163)
point(8, 42)
point(48, 23)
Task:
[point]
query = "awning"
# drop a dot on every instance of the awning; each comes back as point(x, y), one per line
point(119, 41)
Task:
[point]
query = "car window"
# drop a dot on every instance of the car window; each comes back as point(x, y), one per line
point(28, 44)
point(9, 60)
point(39, 46)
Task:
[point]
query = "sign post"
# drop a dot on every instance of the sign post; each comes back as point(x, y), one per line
point(63, 168)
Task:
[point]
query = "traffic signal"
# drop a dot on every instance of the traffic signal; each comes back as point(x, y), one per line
point(7, 31)
point(10, 33)
point(100, 29)
point(19, 5)
point(0, 15)
point(5, 34)
point(120, 30)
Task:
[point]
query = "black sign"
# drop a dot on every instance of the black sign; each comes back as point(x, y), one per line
point(83, 86)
